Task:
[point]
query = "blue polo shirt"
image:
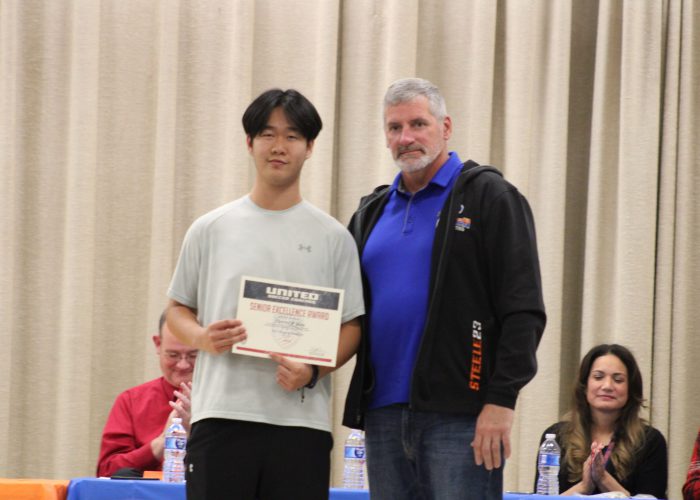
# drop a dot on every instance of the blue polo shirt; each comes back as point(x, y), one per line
point(396, 260)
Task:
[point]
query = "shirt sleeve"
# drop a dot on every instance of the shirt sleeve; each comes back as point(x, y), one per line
point(691, 488)
point(185, 281)
point(119, 446)
point(349, 277)
point(651, 473)
point(516, 292)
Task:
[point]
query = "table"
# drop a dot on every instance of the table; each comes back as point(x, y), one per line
point(341, 494)
point(530, 496)
point(90, 488)
point(33, 489)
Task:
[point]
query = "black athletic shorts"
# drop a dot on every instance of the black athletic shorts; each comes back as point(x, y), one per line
point(240, 460)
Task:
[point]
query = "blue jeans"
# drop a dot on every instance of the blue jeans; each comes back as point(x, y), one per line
point(416, 455)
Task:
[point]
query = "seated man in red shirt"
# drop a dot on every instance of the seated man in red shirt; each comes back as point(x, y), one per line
point(134, 435)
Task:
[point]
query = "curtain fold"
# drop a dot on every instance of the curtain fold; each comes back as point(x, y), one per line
point(675, 380)
point(120, 123)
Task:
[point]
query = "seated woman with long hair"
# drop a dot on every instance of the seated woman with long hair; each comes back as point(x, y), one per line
point(606, 445)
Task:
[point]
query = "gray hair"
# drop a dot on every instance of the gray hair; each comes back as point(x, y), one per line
point(161, 323)
point(407, 89)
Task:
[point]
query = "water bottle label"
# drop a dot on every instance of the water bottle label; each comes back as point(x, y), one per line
point(354, 452)
point(549, 459)
point(175, 443)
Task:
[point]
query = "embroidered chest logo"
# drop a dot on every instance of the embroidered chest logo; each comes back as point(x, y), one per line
point(306, 248)
point(463, 223)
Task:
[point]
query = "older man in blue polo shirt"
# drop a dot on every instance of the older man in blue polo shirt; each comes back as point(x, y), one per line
point(454, 312)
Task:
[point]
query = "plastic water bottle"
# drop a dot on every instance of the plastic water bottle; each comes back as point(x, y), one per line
point(174, 453)
point(548, 466)
point(354, 462)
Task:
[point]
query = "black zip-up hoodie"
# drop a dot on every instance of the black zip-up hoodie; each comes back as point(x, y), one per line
point(485, 312)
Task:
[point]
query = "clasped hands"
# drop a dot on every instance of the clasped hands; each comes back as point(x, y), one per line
point(594, 473)
point(180, 408)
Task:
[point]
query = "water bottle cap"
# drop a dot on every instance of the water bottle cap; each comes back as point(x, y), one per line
point(550, 436)
point(177, 420)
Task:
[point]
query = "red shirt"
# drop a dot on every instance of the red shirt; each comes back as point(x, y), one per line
point(138, 416)
point(691, 488)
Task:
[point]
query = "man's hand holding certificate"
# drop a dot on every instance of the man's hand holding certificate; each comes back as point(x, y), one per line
point(295, 320)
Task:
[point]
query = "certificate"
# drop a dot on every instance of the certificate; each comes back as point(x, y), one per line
point(292, 319)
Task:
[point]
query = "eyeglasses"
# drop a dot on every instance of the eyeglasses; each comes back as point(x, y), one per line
point(190, 357)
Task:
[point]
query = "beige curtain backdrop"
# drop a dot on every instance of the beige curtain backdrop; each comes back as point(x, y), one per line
point(120, 123)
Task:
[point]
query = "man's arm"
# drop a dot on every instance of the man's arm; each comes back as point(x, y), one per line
point(158, 443)
point(691, 488)
point(119, 447)
point(516, 291)
point(292, 375)
point(215, 338)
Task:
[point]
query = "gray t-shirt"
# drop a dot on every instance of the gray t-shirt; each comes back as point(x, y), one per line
point(301, 244)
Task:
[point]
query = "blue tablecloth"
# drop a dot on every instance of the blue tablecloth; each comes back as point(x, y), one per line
point(341, 494)
point(90, 488)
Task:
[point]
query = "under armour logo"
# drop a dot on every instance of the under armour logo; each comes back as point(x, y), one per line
point(305, 247)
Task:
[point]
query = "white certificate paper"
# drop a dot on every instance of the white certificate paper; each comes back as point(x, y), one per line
point(292, 319)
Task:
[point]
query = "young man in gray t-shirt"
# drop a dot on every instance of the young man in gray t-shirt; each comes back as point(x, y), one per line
point(261, 427)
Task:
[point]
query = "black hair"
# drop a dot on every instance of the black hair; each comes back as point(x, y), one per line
point(297, 108)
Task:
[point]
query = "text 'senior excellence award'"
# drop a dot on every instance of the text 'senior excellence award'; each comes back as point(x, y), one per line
point(295, 320)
